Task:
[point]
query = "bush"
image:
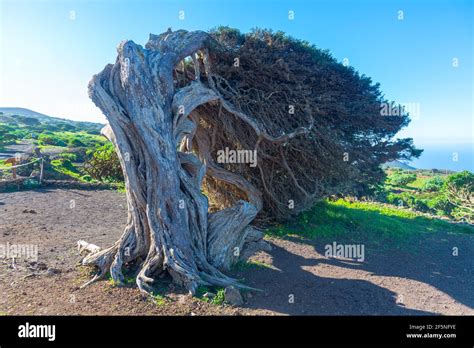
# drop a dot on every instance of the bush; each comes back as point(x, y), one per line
point(50, 139)
point(65, 166)
point(69, 156)
point(29, 121)
point(408, 200)
point(433, 184)
point(9, 135)
point(75, 143)
point(420, 205)
point(66, 127)
point(440, 205)
point(64, 163)
point(103, 164)
point(399, 178)
point(459, 189)
point(86, 178)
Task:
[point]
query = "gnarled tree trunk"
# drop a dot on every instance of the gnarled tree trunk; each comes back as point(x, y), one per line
point(315, 125)
point(153, 127)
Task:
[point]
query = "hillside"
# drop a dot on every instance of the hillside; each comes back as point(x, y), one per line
point(397, 164)
point(66, 143)
point(22, 116)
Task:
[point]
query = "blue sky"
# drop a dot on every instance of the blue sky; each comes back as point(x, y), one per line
point(47, 58)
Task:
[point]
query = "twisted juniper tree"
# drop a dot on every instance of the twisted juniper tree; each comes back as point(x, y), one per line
point(314, 124)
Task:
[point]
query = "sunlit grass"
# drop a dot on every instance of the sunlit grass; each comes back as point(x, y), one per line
point(363, 220)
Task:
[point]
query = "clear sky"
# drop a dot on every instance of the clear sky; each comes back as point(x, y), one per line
point(48, 53)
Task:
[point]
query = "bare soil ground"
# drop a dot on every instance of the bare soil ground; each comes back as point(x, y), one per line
point(295, 276)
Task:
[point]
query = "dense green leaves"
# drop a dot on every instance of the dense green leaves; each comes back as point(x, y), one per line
point(104, 164)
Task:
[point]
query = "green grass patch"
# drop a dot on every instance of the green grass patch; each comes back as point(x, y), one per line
point(129, 278)
point(70, 139)
point(159, 300)
point(366, 221)
point(418, 183)
point(218, 299)
point(246, 265)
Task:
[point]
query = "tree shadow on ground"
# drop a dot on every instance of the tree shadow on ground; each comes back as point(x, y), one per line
point(292, 290)
point(432, 262)
point(426, 256)
point(437, 253)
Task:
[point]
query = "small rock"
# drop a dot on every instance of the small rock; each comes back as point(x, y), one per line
point(209, 295)
point(232, 296)
point(253, 235)
point(52, 271)
point(31, 211)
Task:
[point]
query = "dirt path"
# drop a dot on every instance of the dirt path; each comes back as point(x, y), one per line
point(295, 276)
point(24, 147)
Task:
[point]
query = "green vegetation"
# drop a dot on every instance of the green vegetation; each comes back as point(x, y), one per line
point(400, 177)
point(433, 184)
point(70, 139)
point(158, 295)
point(74, 150)
point(363, 220)
point(65, 166)
point(44, 129)
point(244, 265)
point(158, 299)
point(397, 212)
point(9, 134)
point(218, 299)
point(103, 164)
point(448, 195)
point(459, 191)
point(129, 279)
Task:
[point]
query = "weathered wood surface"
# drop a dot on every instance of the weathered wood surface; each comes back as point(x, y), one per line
point(153, 127)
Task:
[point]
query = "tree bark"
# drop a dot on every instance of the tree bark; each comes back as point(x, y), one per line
point(152, 125)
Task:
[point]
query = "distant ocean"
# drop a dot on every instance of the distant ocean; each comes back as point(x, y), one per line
point(451, 156)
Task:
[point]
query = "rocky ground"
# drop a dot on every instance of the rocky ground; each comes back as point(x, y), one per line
point(295, 276)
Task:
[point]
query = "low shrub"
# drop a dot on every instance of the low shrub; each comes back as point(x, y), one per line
point(103, 164)
point(400, 178)
point(433, 184)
